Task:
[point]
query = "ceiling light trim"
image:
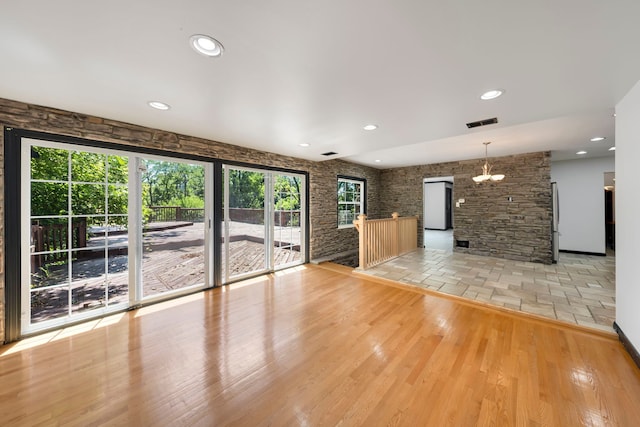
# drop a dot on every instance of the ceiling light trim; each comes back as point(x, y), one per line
point(206, 45)
point(492, 94)
point(159, 105)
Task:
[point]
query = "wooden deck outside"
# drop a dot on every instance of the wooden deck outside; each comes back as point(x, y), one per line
point(316, 347)
point(173, 258)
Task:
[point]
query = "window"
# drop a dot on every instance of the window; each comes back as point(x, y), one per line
point(351, 197)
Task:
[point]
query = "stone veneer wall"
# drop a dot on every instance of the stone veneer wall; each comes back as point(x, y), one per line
point(519, 230)
point(325, 238)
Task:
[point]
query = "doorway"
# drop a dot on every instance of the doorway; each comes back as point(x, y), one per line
point(610, 210)
point(438, 213)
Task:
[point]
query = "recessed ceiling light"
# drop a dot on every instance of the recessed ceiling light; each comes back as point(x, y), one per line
point(370, 127)
point(612, 148)
point(491, 94)
point(598, 138)
point(206, 45)
point(304, 144)
point(581, 152)
point(378, 160)
point(158, 105)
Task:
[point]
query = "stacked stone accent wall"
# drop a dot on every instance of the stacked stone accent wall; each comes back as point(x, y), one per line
point(494, 226)
point(325, 238)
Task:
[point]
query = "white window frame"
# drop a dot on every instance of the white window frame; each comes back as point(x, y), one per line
point(135, 235)
point(360, 205)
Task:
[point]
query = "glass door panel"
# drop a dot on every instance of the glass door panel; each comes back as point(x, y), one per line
point(245, 232)
point(72, 210)
point(173, 238)
point(287, 216)
point(87, 209)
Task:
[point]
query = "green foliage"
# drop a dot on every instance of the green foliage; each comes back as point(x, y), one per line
point(90, 175)
point(49, 163)
point(246, 189)
point(99, 185)
point(173, 184)
point(287, 193)
point(187, 202)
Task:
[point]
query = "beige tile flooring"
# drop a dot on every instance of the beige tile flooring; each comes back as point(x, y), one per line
point(579, 289)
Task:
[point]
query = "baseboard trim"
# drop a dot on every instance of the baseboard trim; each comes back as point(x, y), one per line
point(633, 352)
point(338, 268)
point(583, 252)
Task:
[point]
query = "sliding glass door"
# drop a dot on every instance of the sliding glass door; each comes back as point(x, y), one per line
point(174, 232)
point(75, 258)
point(263, 228)
point(288, 220)
point(103, 230)
point(245, 223)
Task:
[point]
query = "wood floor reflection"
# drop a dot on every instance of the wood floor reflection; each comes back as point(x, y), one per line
point(310, 346)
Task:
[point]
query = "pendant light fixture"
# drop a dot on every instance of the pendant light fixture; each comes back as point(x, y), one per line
point(486, 170)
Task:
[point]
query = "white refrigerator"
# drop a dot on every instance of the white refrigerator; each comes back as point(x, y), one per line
point(555, 221)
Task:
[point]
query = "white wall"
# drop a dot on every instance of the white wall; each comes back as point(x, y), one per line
point(581, 195)
point(628, 215)
point(434, 205)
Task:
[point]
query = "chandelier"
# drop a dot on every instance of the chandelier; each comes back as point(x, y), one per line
point(486, 170)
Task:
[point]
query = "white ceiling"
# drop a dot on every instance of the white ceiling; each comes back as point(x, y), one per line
point(316, 72)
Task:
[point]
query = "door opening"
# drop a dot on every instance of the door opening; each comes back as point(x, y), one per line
point(610, 210)
point(438, 213)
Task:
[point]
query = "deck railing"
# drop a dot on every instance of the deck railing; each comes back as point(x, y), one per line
point(384, 239)
point(50, 242)
point(175, 213)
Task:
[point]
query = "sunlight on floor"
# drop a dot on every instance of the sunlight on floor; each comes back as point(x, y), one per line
point(154, 308)
point(260, 279)
point(48, 337)
point(59, 334)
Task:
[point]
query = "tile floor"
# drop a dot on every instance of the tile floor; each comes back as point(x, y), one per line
point(579, 289)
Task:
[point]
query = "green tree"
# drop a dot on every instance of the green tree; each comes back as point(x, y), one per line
point(287, 192)
point(246, 189)
point(173, 184)
point(98, 182)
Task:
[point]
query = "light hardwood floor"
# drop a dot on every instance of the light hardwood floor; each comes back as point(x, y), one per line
point(310, 346)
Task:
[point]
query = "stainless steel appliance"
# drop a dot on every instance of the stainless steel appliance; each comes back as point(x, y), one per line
point(555, 221)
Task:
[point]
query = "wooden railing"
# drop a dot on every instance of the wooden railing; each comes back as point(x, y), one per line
point(384, 239)
point(47, 241)
point(175, 213)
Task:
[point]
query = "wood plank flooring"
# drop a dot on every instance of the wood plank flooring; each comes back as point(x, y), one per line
point(310, 346)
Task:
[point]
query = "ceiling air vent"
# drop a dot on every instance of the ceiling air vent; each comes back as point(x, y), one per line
point(329, 153)
point(482, 123)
